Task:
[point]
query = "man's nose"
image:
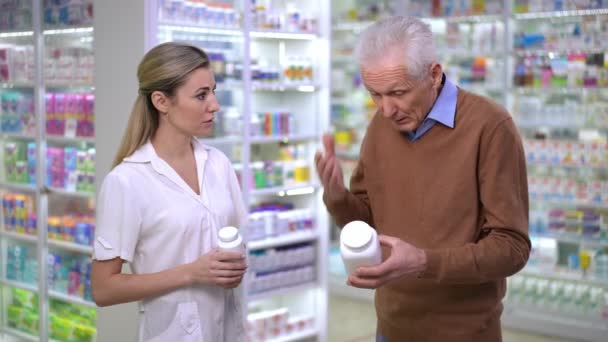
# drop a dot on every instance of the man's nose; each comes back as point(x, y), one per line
point(388, 107)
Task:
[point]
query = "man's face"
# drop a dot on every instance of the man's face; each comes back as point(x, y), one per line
point(400, 98)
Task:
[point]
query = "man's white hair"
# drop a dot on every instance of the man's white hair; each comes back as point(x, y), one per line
point(409, 34)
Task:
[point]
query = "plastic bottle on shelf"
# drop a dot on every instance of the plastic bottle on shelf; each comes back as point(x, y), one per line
point(359, 246)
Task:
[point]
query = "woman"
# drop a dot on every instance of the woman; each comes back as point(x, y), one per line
point(162, 204)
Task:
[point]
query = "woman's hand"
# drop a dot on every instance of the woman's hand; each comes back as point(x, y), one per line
point(224, 269)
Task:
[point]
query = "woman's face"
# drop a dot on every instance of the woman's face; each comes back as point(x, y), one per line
point(192, 108)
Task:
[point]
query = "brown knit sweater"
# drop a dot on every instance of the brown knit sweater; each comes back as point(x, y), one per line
point(461, 195)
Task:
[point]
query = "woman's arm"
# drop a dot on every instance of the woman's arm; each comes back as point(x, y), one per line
point(110, 286)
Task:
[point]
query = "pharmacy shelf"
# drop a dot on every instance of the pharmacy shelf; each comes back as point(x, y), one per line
point(352, 26)
point(482, 18)
point(71, 299)
point(561, 274)
point(70, 246)
point(63, 192)
point(19, 237)
point(474, 87)
point(568, 166)
point(556, 90)
point(264, 34)
point(291, 190)
point(199, 29)
point(298, 336)
point(70, 84)
point(22, 336)
point(64, 139)
point(282, 138)
point(338, 287)
point(553, 324)
point(577, 240)
point(282, 291)
point(19, 187)
point(222, 140)
point(560, 14)
point(580, 204)
point(17, 85)
point(284, 87)
point(283, 240)
point(19, 285)
point(547, 52)
point(21, 136)
point(451, 53)
point(556, 125)
point(352, 156)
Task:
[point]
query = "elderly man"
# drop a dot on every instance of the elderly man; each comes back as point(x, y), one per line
point(442, 178)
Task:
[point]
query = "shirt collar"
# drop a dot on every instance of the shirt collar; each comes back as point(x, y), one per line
point(147, 154)
point(444, 109)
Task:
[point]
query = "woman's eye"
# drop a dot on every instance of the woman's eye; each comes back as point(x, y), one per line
point(201, 96)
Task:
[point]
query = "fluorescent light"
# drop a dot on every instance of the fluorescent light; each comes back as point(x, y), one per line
point(202, 30)
point(16, 34)
point(542, 15)
point(69, 31)
point(307, 88)
point(282, 35)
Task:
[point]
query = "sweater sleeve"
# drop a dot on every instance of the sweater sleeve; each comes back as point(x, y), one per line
point(503, 246)
point(355, 203)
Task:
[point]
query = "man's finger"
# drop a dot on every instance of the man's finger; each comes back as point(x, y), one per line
point(376, 271)
point(365, 283)
point(329, 166)
point(336, 174)
point(388, 241)
point(328, 144)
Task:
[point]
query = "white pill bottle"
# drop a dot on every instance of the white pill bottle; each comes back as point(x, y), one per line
point(359, 246)
point(229, 240)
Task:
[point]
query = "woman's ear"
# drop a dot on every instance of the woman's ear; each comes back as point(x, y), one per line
point(160, 101)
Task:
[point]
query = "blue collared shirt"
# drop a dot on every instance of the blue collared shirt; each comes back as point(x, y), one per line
point(443, 111)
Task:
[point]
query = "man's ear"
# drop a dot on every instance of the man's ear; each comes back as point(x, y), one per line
point(160, 101)
point(436, 75)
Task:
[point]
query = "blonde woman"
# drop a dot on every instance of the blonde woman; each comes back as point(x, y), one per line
point(160, 207)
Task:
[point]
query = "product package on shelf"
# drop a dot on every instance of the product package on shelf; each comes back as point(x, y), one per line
point(560, 297)
point(20, 162)
point(16, 63)
point(70, 274)
point(17, 113)
point(79, 230)
point(69, 322)
point(19, 213)
point(275, 324)
point(21, 264)
point(61, 13)
point(71, 169)
point(70, 115)
point(65, 65)
point(217, 14)
point(22, 311)
point(276, 219)
point(15, 15)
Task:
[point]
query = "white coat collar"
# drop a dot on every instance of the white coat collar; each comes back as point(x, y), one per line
point(147, 154)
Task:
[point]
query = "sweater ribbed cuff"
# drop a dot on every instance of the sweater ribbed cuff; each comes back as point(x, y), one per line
point(433, 264)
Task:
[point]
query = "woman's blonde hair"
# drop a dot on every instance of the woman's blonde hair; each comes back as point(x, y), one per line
point(164, 68)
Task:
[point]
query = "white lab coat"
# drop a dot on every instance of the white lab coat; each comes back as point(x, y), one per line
point(148, 216)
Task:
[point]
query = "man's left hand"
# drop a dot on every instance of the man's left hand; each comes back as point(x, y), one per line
point(404, 260)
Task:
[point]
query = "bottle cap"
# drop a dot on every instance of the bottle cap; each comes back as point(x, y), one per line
point(356, 235)
point(228, 234)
